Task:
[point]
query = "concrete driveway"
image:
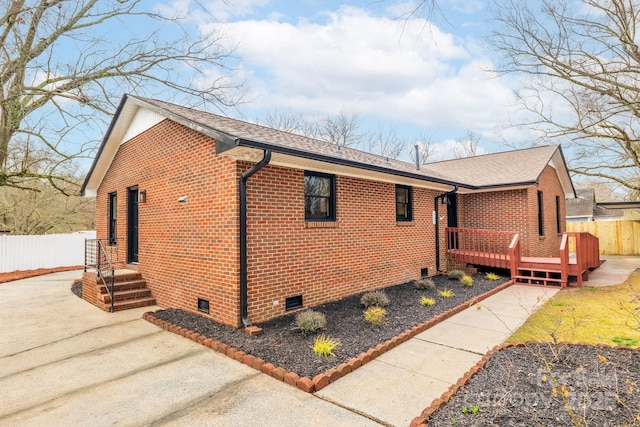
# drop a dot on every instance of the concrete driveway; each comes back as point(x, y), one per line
point(64, 362)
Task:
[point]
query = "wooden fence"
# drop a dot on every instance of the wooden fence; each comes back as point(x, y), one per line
point(616, 237)
point(47, 251)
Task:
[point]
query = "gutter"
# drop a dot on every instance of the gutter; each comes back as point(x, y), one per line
point(437, 225)
point(244, 306)
point(241, 142)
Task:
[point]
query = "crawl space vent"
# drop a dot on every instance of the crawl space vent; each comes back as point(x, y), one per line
point(292, 303)
point(203, 305)
point(424, 272)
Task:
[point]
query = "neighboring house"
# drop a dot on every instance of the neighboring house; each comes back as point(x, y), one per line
point(582, 207)
point(585, 208)
point(246, 223)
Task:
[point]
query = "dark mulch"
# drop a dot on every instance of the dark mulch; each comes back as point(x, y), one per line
point(284, 346)
point(76, 288)
point(529, 386)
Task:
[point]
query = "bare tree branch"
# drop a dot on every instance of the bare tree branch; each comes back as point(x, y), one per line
point(467, 146)
point(65, 64)
point(583, 56)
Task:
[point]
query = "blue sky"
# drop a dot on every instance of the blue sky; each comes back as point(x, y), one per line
point(424, 79)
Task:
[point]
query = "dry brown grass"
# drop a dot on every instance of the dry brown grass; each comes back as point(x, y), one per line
point(605, 315)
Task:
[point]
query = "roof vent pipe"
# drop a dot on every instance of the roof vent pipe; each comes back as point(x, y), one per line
point(417, 147)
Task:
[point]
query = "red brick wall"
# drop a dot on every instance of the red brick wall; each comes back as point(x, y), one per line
point(549, 244)
point(517, 211)
point(322, 261)
point(186, 250)
point(190, 250)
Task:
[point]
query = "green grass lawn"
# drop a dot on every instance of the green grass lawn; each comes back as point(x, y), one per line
point(605, 315)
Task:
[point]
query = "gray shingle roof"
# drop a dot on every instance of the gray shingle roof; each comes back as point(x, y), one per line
point(489, 170)
point(286, 140)
point(509, 167)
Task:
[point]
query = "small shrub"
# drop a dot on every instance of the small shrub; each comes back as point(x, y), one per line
point(467, 280)
point(426, 301)
point(375, 315)
point(455, 274)
point(425, 284)
point(310, 321)
point(324, 345)
point(446, 293)
point(492, 276)
point(374, 299)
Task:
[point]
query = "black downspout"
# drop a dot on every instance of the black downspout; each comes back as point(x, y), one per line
point(437, 225)
point(244, 311)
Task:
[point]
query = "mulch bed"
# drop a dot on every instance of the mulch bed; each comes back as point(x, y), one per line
point(286, 347)
point(546, 385)
point(536, 384)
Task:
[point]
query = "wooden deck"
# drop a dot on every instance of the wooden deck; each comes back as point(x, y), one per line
point(499, 249)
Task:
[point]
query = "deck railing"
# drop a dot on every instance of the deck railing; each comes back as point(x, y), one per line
point(587, 253)
point(470, 245)
point(515, 254)
point(588, 246)
point(502, 249)
point(564, 260)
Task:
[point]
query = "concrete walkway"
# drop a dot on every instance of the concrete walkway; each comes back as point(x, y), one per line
point(64, 362)
point(613, 271)
point(398, 385)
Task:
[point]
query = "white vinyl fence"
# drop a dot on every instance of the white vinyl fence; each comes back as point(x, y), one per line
point(47, 251)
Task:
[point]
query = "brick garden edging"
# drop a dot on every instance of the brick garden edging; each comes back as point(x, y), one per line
point(322, 380)
point(25, 274)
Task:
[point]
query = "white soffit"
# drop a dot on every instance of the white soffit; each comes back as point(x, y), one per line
point(283, 160)
point(131, 121)
point(142, 120)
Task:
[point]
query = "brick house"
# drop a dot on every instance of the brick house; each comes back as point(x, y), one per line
point(246, 223)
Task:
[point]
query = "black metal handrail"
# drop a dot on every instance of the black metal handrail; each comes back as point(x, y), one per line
point(96, 256)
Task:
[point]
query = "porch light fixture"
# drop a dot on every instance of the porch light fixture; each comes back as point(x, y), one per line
point(183, 199)
point(142, 196)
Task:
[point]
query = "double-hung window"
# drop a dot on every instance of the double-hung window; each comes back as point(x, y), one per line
point(540, 214)
point(319, 196)
point(558, 218)
point(403, 203)
point(113, 218)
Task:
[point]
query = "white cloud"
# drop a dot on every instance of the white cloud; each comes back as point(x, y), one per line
point(389, 70)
